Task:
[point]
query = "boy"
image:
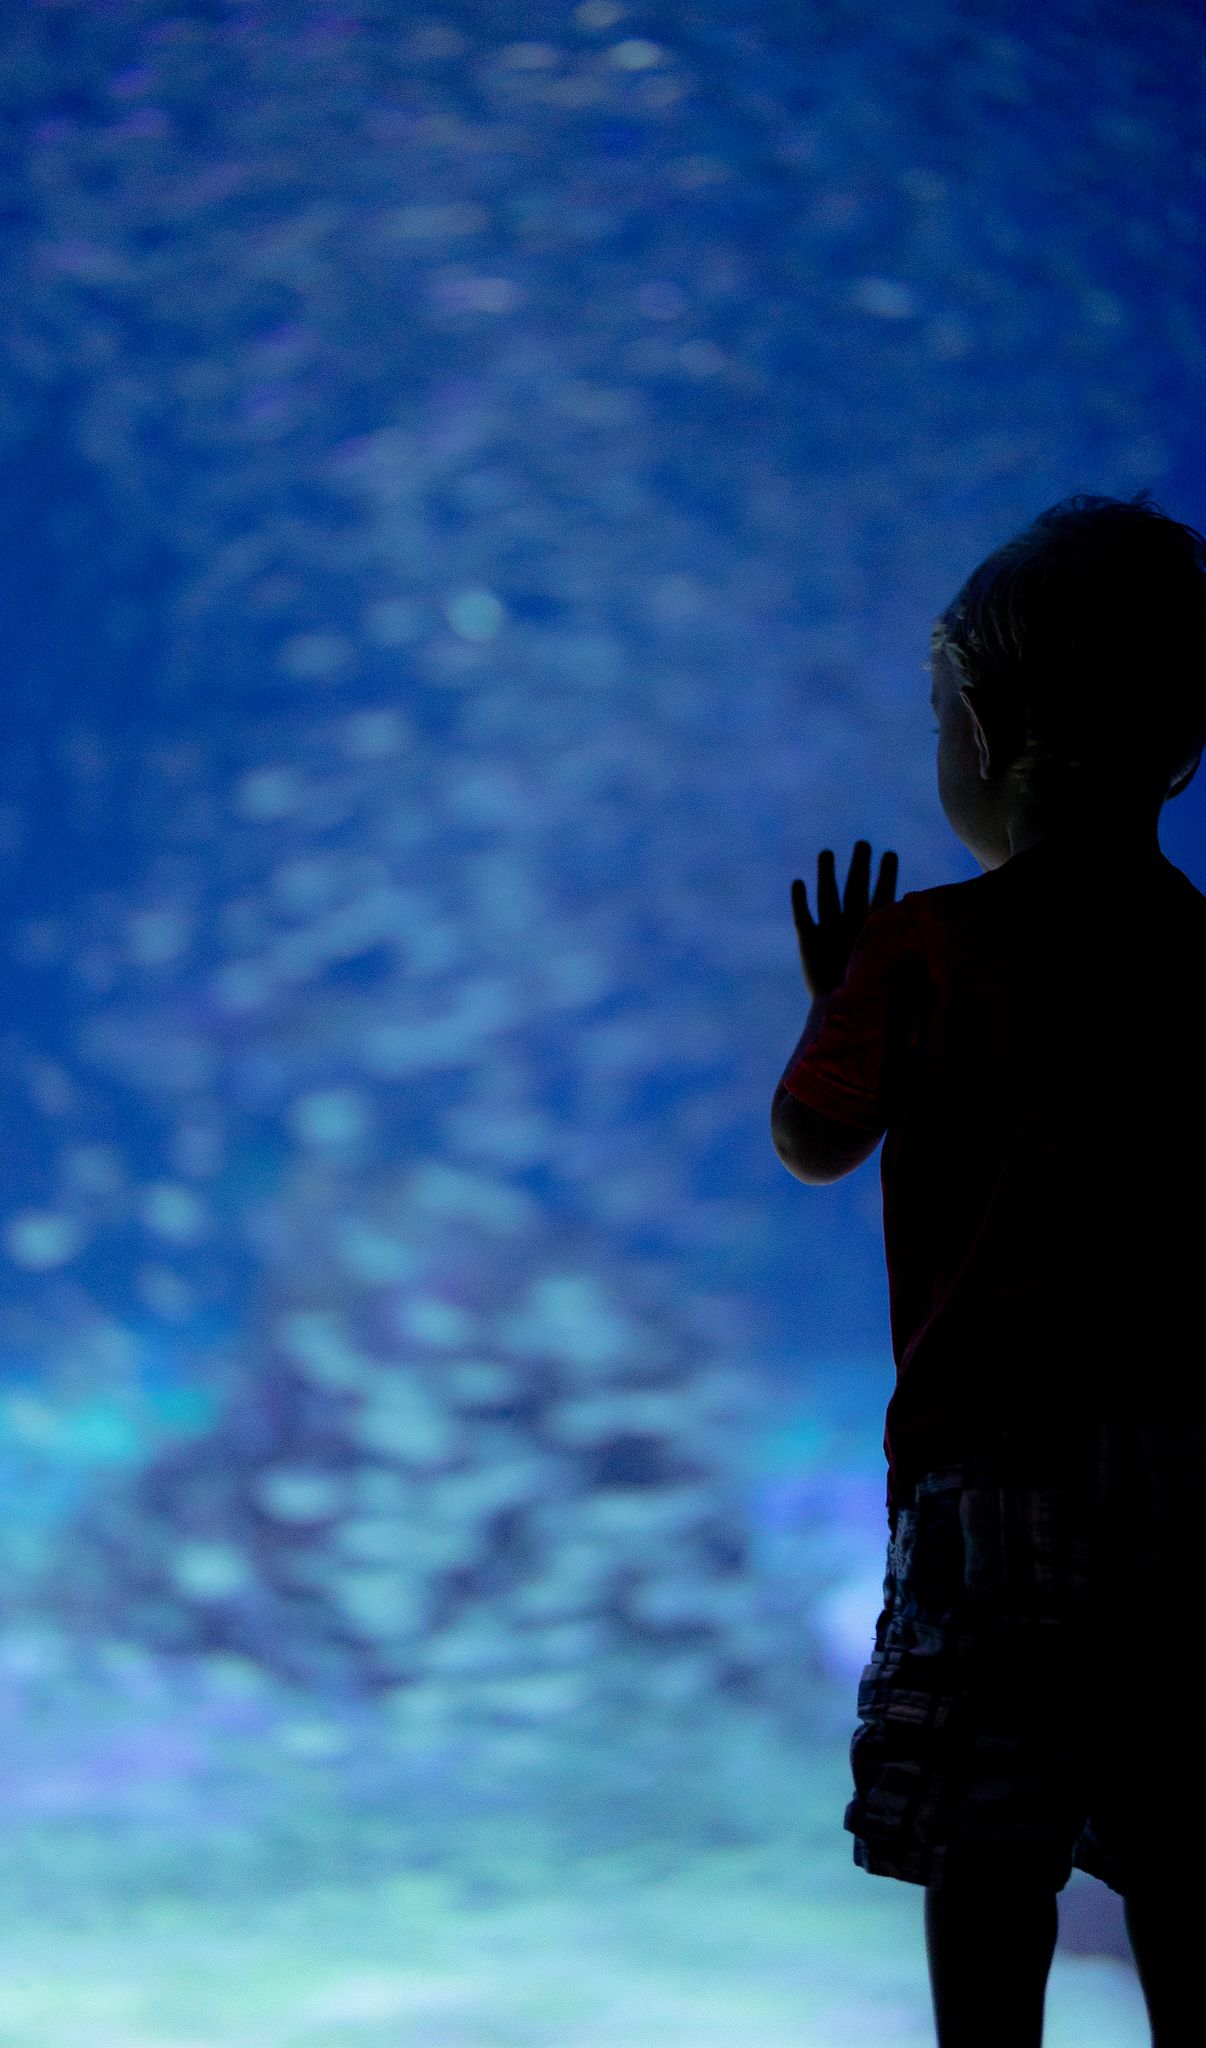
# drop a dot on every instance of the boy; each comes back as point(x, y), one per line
point(1031, 1045)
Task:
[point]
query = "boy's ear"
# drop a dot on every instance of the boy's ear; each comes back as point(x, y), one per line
point(968, 693)
point(1184, 779)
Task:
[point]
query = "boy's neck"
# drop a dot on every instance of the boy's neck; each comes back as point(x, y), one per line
point(1103, 832)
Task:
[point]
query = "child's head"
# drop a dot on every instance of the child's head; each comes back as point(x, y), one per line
point(1070, 675)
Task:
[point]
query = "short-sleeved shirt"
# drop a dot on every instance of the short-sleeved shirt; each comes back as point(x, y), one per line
point(1032, 1044)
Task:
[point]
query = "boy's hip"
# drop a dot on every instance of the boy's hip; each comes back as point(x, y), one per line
point(1026, 1665)
point(1109, 1522)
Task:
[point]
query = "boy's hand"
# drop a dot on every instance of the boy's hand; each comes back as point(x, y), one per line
point(827, 941)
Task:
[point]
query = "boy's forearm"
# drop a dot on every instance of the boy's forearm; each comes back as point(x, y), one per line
point(816, 1017)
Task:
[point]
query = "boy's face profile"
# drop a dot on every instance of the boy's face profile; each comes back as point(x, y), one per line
point(968, 765)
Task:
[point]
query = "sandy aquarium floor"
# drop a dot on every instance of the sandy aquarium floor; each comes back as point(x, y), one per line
point(625, 1963)
point(622, 1947)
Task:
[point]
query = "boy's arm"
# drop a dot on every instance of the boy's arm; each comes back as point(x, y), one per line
point(814, 1147)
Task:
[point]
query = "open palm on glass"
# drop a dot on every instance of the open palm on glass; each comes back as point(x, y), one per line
point(826, 941)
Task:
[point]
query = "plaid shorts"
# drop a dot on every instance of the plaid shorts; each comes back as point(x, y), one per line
point(1026, 1707)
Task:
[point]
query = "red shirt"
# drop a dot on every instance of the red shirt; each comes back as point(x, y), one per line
point(1032, 1044)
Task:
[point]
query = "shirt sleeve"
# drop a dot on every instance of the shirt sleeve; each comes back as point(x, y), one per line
point(857, 1067)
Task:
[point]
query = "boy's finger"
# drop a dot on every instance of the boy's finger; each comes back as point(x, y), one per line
point(885, 888)
point(828, 906)
point(799, 903)
point(859, 875)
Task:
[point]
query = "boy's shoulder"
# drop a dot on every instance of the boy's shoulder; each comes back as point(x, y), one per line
point(946, 902)
point(944, 895)
point(1021, 879)
point(898, 929)
point(1027, 904)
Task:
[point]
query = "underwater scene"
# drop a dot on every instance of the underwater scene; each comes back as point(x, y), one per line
point(477, 485)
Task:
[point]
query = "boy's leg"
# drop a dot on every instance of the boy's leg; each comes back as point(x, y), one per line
point(989, 1950)
point(1164, 1924)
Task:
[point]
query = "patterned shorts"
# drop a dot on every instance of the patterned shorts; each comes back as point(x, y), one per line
point(1026, 1707)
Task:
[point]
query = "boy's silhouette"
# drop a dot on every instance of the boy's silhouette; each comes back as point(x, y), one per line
point(1031, 1046)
